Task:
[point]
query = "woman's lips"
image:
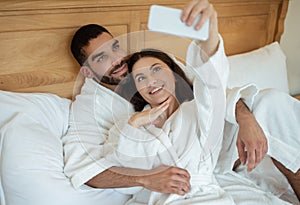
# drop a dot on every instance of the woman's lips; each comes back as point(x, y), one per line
point(156, 90)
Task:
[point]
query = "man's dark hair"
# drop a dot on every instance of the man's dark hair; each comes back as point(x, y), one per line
point(81, 39)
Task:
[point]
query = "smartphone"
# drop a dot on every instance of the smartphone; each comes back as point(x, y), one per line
point(167, 20)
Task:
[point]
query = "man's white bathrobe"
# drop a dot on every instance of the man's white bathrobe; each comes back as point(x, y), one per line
point(87, 143)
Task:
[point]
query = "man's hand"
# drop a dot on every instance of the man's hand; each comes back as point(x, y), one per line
point(207, 11)
point(164, 179)
point(251, 143)
point(167, 179)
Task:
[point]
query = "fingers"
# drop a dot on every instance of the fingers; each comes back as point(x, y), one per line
point(264, 143)
point(157, 111)
point(258, 156)
point(180, 175)
point(181, 172)
point(175, 190)
point(187, 10)
point(251, 156)
point(241, 151)
point(165, 104)
point(170, 180)
point(255, 142)
point(180, 181)
point(205, 16)
point(265, 148)
point(180, 188)
point(193, 9)
point(255, 155)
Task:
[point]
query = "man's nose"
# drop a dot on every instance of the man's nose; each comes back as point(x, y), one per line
point(116, 59)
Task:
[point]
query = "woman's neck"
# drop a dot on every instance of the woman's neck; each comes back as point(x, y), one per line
point(173, 106)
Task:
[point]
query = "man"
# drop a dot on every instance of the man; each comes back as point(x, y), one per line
point(106, 68)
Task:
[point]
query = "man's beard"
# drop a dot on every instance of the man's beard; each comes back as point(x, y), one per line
point(109, 79)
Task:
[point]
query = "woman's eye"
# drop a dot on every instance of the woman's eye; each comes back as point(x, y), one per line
point(139, 79)
point(156, 69)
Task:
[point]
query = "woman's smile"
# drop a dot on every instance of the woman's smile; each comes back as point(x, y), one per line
point(156, 90)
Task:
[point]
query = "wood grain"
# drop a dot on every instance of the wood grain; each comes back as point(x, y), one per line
point(35, 35)
point(297, 97)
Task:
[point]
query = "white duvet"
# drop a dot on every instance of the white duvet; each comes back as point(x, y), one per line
point(32, 156)
point(96, 110)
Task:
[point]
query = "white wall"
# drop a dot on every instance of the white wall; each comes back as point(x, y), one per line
point(290, 43)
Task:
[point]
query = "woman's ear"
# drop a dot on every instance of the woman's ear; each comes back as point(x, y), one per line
point(86, 72)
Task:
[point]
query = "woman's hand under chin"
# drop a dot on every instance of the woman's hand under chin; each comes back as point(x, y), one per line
point(156, 116)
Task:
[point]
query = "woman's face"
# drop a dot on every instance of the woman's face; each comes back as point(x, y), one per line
point(154, 80)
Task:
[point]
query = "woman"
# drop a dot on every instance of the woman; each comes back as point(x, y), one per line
point(162, 133)
point(175, 127)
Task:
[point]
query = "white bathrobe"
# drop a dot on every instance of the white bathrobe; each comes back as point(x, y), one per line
point(93, 113)
point(191, 139)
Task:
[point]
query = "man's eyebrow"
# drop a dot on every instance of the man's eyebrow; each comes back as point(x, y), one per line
point(115, 43)
point(97, 55)
point(101, 53)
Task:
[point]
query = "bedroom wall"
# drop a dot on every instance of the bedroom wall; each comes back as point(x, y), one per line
point(290, 43)
point(38, 36)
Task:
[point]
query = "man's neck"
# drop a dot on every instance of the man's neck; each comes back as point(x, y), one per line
point(108, 86)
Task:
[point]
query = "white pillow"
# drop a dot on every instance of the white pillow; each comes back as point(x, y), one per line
point(266, 67)
point(31, 154)
point(32, 168)
point(48, 109)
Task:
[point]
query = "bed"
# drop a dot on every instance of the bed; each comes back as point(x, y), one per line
point(39, 77)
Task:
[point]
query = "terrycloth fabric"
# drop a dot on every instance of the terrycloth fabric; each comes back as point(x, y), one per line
point(191, 138)
point(283, 128)
point(87, 140)
point(92, 114)
point(279, 116)
point(86, 143)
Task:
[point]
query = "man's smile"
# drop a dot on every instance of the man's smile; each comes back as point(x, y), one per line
point(120, 70)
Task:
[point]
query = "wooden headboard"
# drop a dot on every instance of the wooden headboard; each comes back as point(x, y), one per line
point(35, 35)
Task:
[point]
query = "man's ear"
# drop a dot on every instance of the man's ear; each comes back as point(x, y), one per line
point(86, 72)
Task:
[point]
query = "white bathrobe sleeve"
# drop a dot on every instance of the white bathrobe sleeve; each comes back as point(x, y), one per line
point(209, 91)
point(247, 92)
point(92, 115)
point(137, 148)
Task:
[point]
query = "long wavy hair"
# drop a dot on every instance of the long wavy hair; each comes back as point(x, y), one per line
point(127, 87)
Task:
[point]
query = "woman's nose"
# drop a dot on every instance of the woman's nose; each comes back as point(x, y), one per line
point(152, 81)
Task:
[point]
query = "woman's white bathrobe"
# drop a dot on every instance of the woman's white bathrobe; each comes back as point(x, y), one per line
point(191, 138)
point(96, 109)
